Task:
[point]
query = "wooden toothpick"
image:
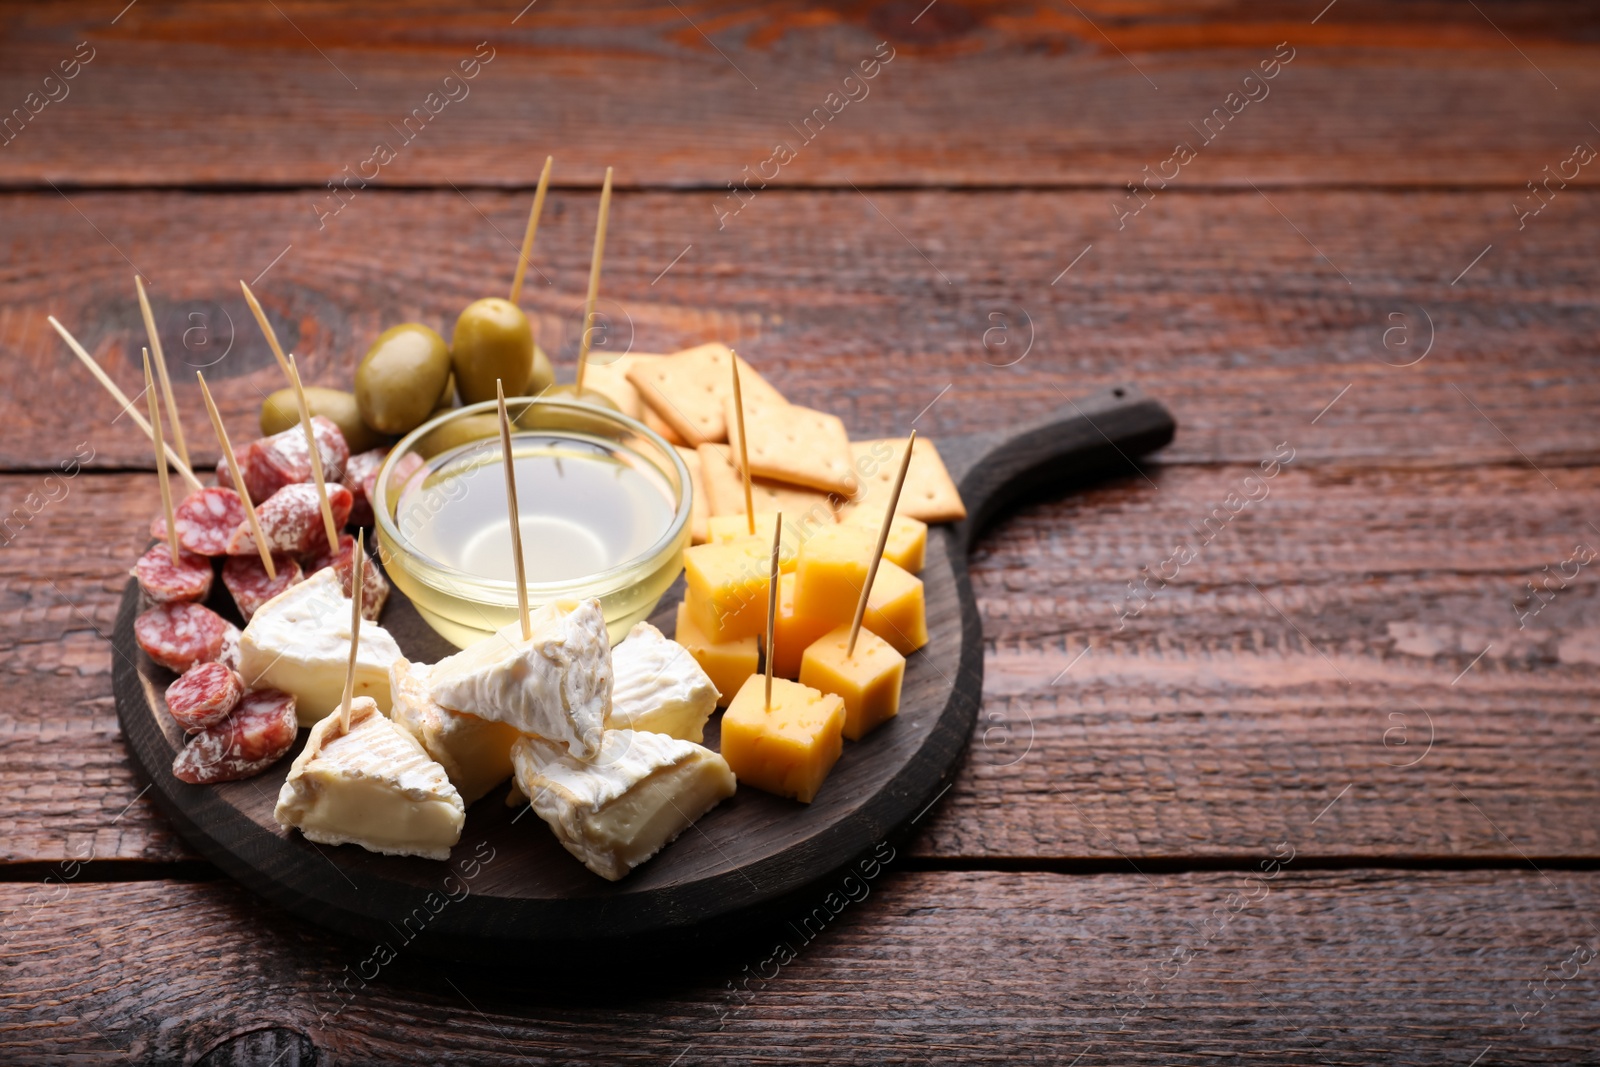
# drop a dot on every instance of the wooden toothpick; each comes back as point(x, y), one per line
point(883, 540)
point(533, 228)
point(316, 456)
point(358, 567)
point(238, 476)
point(594, 281)
point(514, 512)
point(744, 451)
point(772, 606)
point(161, 371)
point(266, 327)
point(122, 398)
point(161, 460)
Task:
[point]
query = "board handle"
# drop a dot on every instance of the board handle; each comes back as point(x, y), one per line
point(1087, 439)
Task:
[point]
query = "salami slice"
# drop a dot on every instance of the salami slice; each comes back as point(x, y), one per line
point(206, 519)
point(164, 581)
point(404, 468)
point(259, 732)
point(291, 521)
point(203, 696)
point(181, 634)
point(270, 463)
point(363, 466)
point(229, 656)
point(374, 586)
point(247, 580)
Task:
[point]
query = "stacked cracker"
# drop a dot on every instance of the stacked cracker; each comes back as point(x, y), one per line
point(802, 462)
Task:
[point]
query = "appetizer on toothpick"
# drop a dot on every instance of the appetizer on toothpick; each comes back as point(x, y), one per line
point(772, 602)
point(266, 327)
point(238, 477)
point(331, 527)
point(864, 670)
point(533, 228)
point(161, 371)
point(122, 398)
point(161, 461)
point(355, 631)
point(514, 513)
point(594, 282)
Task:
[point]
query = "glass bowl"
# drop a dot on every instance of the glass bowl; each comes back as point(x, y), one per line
point(604, 504)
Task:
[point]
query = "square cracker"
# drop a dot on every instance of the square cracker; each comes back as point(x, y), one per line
point(794, 445)
point(725, 491)
point(654, 421)
point(698, 507)
point(929, 494)
point(688, 390)
point(609, 375)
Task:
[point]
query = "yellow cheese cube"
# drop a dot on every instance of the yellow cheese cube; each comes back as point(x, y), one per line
point(896, 610)
point(868, 682)
point(908, 537)
point(830, 571)
point(727, 588)
point(792, 632)
point(734, 529)
point(727, 663)
point(787, 749)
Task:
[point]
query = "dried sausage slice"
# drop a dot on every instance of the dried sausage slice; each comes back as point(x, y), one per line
point(374, 586)
point(362, 468)
point(259, 732)
point(206, 519)
point(270, 463)
point(181, 634)
point(247, 580)
point(291, 521)
point(203, 696)
point(164, 581)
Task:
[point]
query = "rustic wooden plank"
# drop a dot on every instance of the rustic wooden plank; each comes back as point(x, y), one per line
point(1207, 726)
point(1215, 304)
point(974, 967)
point(690, 94)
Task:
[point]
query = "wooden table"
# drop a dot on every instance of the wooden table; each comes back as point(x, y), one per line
point(1324, 791)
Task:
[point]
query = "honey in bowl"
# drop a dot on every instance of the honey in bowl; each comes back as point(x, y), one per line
point(603, 506)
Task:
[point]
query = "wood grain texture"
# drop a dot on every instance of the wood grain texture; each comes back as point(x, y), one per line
point(975, 967)
point(1208, 724)
point(688, 95)
point(1215, 304)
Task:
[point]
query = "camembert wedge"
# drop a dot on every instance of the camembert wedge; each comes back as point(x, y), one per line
point(658, 687)
point(556, 684)
point(371, 785)
point(474, 752)
point(299, 642)
point(619, 809)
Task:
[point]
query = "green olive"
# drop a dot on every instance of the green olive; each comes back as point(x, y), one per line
point(544, 375)
point(493, 340)
point(401, 377)
point(447, 398)
point(280, 411)
point(458, 431)
point(569, 392)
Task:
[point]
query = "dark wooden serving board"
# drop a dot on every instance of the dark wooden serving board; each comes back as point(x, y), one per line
point(509, 883)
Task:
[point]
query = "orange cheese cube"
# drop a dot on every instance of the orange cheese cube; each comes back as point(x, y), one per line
point(830, 570)
point(908, 537)
point(727, 663)
point(868, 682)
point(734, 529)
point(727, 588)
point(787, 749)
point(792, 632)
point(896, 610)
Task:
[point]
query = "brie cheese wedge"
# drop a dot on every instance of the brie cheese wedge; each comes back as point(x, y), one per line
point(616, 811)
point(373, 786)
point(299, 642)
point(556, 684)
point(474, 752)
point(658, 687)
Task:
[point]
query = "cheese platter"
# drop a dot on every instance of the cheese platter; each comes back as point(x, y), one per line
point(688, 649)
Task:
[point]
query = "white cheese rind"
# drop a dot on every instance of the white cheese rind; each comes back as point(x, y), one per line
point(372, 786)
point(474, 752)
point(658, 687)
point(556, 685)
point(299, 642)
point(616, 811)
